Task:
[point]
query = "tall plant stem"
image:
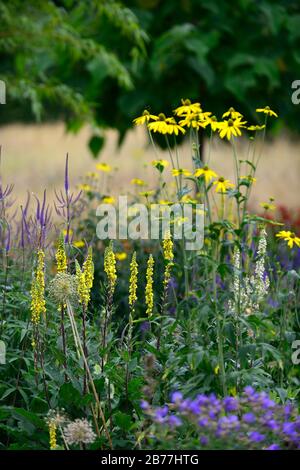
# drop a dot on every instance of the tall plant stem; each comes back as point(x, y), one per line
point(81, 351)
point(63, 337)
point(219, 336)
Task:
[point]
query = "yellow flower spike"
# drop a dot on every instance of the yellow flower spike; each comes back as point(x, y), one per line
point(181, 172)
point(105, 167)
point(38, 304)
point(187, 107)
point(145, 118)
point(231, 128)
point(266, 110)
point(206, 172)
point(222, 185)
point(168, 247)
point(133, 281)
point(149, 296)
point(82, 289)
point(168, 257)
point(110, 267)
point(88, 269)
point(138, 182)
point(60, 256)
point(52, 435)
point(289, 237)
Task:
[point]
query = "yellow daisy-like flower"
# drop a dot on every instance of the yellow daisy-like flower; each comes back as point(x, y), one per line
point(105, 167)
point(108, 200)
point(231, 128)
point(256, 128)
point(206, 172)
point(79, 244)
point(249, 178)
point(165, 125)
point(187, 107)
point(214, 124)
point(289, 237)
point(92, 175)
point(188, 199)
point(145, 118)
point(160, 164)
point(232, 114)
point(268, 206)
point(121, 256)
point(181, 172)
point(138, 182)
point(222, 185)
point(85, 187)
point(146, 193)
point(165, 202)
point(196, 120)
point(266, 110)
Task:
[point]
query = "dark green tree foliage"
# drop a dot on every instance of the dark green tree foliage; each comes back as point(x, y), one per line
point(103, 61)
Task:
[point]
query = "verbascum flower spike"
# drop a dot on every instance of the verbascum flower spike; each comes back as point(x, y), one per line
point(168, 247)
point(110, 267)
point(88, 269)
point(52, 434)
point(60, 256)
point(82, 288)
point(38, 304)
point(168, 257)
point(149, 286)
point(133, 281)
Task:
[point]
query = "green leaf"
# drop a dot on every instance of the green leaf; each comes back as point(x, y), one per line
point(123, 421)
point(96, 143)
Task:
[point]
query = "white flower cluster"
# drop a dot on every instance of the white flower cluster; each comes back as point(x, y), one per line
point(252, 290)
point(79, 432)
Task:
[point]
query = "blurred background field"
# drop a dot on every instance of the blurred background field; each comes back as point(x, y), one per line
point(34, 159)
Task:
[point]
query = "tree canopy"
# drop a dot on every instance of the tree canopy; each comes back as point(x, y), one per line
point(103, 61)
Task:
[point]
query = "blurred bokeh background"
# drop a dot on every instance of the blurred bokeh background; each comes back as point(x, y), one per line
point(77, 73)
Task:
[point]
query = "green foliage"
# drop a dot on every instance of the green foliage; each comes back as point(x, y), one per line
point(101, 61)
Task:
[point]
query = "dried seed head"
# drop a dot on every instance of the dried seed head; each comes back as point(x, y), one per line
point(79, 432)
point(63, 289)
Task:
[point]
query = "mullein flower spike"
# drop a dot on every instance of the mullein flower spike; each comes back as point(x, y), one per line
point(168, 257)
point(110, 267)
point(38, 305)
point(60, 256)
point(149, 286)
point(133, 280)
